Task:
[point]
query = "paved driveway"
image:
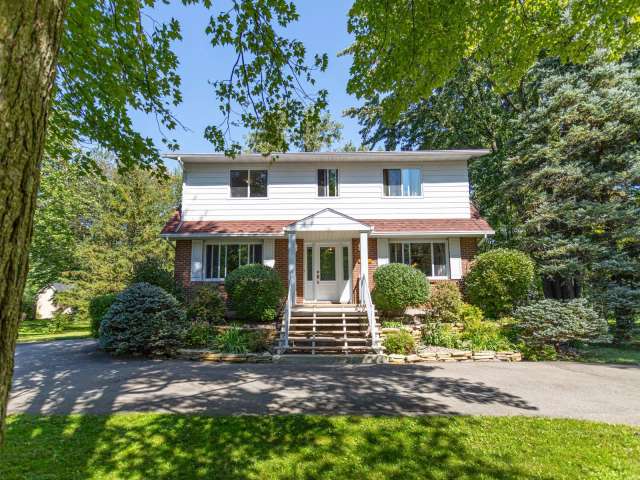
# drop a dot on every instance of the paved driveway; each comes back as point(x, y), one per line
point(73, 376)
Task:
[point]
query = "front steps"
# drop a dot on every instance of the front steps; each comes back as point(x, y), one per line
point(328, 329)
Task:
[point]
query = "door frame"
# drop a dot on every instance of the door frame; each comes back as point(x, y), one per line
point(344, 287)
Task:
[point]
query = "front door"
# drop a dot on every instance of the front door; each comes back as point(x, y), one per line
point(327, 267)
point(326, 272)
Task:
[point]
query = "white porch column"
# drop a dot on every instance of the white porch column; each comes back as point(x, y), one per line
point(364, 254)
point(292, 267)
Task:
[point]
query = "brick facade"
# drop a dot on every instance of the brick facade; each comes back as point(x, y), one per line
point(372, 253)
point(468, 249)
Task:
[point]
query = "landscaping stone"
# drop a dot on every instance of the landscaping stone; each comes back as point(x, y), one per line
point(396, 358)
point(412, 358)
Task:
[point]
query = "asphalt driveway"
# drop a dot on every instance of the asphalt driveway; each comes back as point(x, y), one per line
point(74, 377)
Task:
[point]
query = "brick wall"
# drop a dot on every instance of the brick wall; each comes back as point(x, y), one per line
point(372, 251)
point(282, 265)
point(182, 266)
point(468, 250)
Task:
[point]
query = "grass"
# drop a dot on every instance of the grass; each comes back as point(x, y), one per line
point(628, 354)
point(163, 446)
point(38, 331)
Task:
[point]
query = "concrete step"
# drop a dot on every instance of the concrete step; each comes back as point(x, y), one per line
point(328, 339)
point(361, 348)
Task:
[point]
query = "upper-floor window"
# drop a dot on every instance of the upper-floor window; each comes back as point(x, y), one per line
point(402, 182)
point(248, 183)
point(328, 182)
point(429, 257)
point(220, 259)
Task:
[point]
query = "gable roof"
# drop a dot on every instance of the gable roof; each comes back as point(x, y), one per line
point(325, 220)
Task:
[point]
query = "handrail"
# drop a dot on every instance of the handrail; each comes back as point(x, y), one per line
point(365, 299)
point(284, 339)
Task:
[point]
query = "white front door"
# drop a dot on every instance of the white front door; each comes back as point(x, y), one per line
point(327, 267)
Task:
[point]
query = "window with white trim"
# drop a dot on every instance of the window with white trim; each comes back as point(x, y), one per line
point(248, 183)
point(327, 182)
point(402, 182)
point(428, 257)
point(220, 259)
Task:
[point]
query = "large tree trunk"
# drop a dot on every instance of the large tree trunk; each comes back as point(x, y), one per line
point(30, 34)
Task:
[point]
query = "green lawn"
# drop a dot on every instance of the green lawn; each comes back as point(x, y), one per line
point(145, 446)
point(625, 354)
point(38, 331)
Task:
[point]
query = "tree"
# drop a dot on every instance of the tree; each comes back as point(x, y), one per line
point(315, 133)
point(405, 49)
point(65, 202)
point(128, 212)
point(574, 174)
point(466, 112)
point(97, 63)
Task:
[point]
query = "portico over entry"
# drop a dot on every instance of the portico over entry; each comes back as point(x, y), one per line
point(328, 239)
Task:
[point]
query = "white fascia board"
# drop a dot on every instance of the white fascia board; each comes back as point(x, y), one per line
point(218, 235)
point(474, 233)
point(401, 156)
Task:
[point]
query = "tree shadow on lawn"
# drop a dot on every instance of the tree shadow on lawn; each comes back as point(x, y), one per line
point(241, 447)
point(73, 377)
point(67, 377)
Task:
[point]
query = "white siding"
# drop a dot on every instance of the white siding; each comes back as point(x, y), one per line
point(292, 192)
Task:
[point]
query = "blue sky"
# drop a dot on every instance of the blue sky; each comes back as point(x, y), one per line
point(323, 29)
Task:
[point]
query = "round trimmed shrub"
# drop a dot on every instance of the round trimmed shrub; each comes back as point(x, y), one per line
point(499, 280)
point(207, 305)
point(401, 342)
point(255, 292)
point(398, 286)
point(143, 319)
point(445, 302)
point(98, 307)
point(555, 322)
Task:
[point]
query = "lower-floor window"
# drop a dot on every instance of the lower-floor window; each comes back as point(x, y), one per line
point(223, 258)
point(429, 257)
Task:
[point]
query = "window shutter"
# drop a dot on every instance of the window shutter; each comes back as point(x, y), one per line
point(196, 260)
point(268, 252)
point(383, 251)
point(455, 260)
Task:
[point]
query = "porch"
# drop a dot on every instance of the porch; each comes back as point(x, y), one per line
point(332, 310)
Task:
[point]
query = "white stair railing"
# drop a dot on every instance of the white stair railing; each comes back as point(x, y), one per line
point(367, 302)
point(286, 320)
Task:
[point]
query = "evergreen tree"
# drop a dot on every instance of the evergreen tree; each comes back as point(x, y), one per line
point(574, 175)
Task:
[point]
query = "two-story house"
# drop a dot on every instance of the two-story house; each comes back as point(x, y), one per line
point(317, 218)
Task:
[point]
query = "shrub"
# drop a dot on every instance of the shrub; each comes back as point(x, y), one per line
point(485, 336)
point(470, 314)
point(154, 270)
point(232, 340)
point(499, 280)
point(255, 292)
point(440, 335)
point(444, 302)
point(143, 319)
point(98, 307)
point(401, 342)
point(59, 322)
point(199, 334)
point(207, 305)
point(258, 341)
point(391, 324)
point(399, 286)
point(554, 322)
